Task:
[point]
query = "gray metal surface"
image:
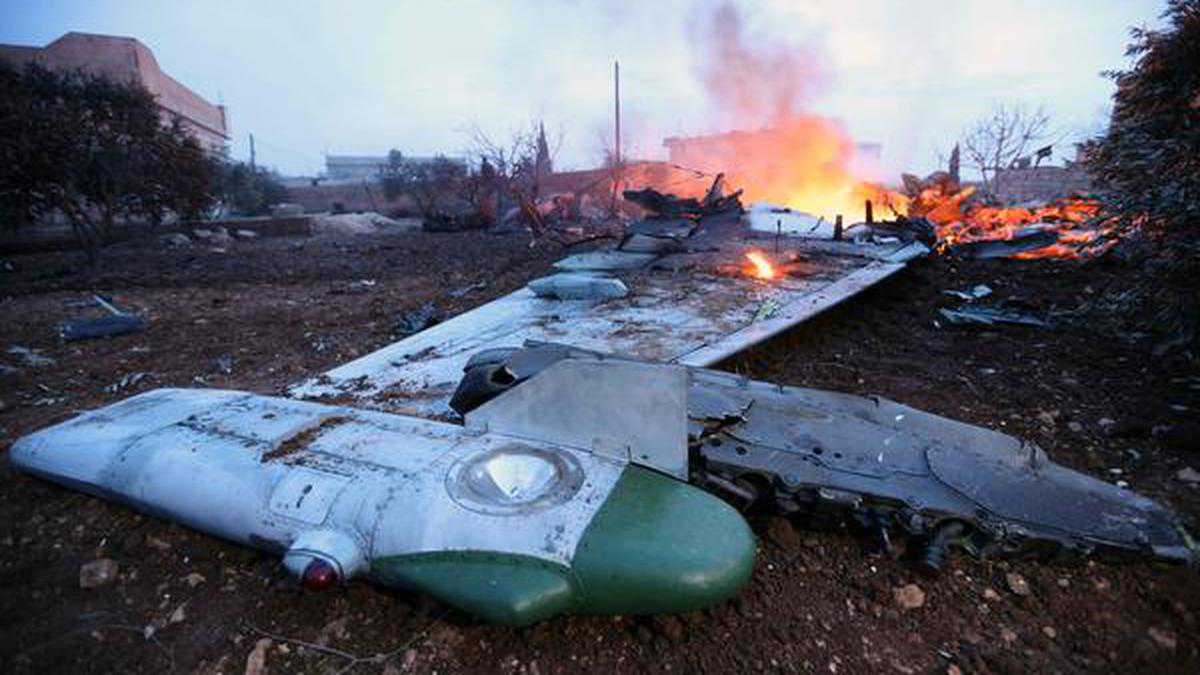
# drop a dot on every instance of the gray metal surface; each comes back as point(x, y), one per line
point(270, 472)
point(697, 317)
point(889, 466)
point(631, 411)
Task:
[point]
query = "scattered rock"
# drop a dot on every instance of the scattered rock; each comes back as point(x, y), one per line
point(334, 629)
point(1008, 635)
point(179, 615)
point(30, 357)
point(1017, 584)
point(1188, 475)
point(1074, 426)
point(98, 573)
point(245, 234)
point(990, 595)
point(1049, 632)
point(256, 661)
point(1163, 638)
point(194, 579)
point(953, 669)
point(176, 239)
point(909, 596)
point(158, 544)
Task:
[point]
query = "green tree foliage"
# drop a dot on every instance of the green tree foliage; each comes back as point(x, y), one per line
point(95, 151)
point(1147, 165)
point(249, 191)
point(1149, 160)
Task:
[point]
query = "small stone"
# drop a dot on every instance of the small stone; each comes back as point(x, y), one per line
point(98, 573)
point(194, 579)
point(783, 534)
point(1106, 423)
point(245, 234)
point(179, 615)
point(953, 669)
point(990, 595)
point(1074, 426)
point(1008, 635)
point(1188, 475)
point(1049, 632)
point(909, 596)
point(1163, 638)
point(256, 661)
point(176, 239)
point(1017, 584)
point(1064, 583)
point(158, 544)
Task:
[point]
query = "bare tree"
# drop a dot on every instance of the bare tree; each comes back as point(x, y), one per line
point(512, 168)
point(998, 140)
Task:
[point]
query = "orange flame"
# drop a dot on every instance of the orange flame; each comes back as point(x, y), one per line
point(763, 269)
point(784, 154)
point(1074, 220)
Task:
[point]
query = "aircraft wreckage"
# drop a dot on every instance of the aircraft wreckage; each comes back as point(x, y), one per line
point(488, 464)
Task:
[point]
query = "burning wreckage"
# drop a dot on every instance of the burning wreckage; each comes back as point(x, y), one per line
point(554, 450)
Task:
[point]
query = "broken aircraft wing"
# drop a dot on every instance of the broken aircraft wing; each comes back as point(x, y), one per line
point(507, 528)
point(894, 469)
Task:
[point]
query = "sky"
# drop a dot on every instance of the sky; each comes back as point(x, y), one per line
point(311, 78)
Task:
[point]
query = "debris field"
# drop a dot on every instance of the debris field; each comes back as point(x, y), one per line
point(93, 587)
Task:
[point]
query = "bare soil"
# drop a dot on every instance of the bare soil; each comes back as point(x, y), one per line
point(264, 313)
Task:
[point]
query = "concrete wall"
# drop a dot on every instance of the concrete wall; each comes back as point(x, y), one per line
point(125, 59)
point(1040, 184)
point(353, 196)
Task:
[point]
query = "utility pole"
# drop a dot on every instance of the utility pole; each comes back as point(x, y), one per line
point(617, 111)
point(617, 133)
point(252, 170)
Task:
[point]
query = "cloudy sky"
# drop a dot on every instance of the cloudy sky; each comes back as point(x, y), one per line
point(351, 76)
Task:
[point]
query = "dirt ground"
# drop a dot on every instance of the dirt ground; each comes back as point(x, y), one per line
point(264, 313)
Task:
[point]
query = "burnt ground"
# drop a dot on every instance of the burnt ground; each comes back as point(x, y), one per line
point(267, 312)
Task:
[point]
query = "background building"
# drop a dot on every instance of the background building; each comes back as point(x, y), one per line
point(124, 59)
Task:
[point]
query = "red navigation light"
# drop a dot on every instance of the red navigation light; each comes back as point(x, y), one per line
point(319, 576)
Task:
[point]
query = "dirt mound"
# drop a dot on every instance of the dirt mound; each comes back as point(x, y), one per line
point(367, 222)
